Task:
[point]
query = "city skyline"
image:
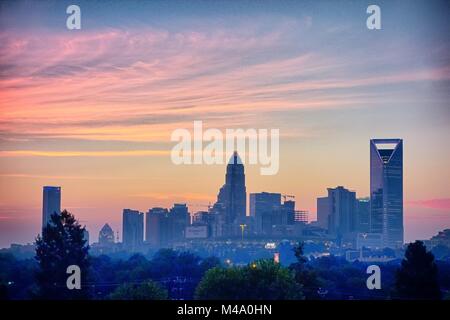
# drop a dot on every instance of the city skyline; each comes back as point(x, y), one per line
point(340, 214)
point(92, 110)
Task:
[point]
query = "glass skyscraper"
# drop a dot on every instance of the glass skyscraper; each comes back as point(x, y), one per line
point(51, 203)
point(386, 190)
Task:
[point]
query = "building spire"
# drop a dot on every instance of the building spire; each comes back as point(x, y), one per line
point(235, 159)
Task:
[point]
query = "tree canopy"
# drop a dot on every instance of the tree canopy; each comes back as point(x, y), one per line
point(259, 280)
point(147, 290)
point(417, 278)
point(62, 244)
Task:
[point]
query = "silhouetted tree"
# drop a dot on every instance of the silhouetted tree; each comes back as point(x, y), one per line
point(148, 290)
point(260, 280)
point(417, 277)
point(305, 275)
point(62, 244)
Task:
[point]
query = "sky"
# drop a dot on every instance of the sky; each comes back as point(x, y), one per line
point(92, 110)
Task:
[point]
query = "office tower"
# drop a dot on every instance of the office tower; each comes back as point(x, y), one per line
point(288, 208)
point(132, 230)
point(179, 214)
point(342, 214)
point(265, 207)
point(363, 216)
point(51, 203)
point(386, 190)
point(323, 212)
point(158, 227)
point(232, 195)
point(106, 236)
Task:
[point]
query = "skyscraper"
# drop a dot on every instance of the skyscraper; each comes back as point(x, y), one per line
point(158, 227)
point(180, 217)
point(363, 221)
point(132, 229)
point(323, 212)
point(342, 212)
point(386, 190)
point(232, 196)
point(51, 203)
point(265, 207)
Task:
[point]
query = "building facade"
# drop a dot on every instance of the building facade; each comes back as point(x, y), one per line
point(51, 203)
point(386, 190)
point(132, 230)
point(106, 236)
point(342, 217)
point(265, 207)
point(232, 197)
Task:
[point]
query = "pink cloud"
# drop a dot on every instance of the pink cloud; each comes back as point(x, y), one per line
point(440, 204)
point(137, 85)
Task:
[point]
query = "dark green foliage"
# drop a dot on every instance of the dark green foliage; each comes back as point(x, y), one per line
point(61, 245)
point(417, 277)
point(305, 276)
point(260, 280)
point(147, 290)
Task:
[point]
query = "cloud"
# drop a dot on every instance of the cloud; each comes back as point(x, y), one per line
point(440, 204)
point(141, 84)
point(128, 153)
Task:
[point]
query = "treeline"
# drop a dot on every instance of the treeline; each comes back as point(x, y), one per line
point(170, 274)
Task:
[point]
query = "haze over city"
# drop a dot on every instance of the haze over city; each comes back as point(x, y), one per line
point(92, 110)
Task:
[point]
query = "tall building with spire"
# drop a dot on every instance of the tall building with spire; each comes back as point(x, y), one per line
point(232, 196)
point(386, 190)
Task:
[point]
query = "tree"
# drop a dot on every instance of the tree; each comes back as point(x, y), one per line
point(417, 277)
point(148, 290)
point(260, 280)
point(305, 276)
point(441, 252)
point(62, 244)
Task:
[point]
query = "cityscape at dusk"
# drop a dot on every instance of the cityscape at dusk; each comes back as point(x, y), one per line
point(357, 120)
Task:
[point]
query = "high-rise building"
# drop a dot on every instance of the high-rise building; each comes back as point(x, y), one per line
point(288, 208)
point(51, 203)
point(232, 196)
point(265, 207)
point(158, 227)
point(132, 230)
point(386, 190)
point(323, 212)
point(363, 216)
point(106, 236)
point(179, 214)
point(342, 215)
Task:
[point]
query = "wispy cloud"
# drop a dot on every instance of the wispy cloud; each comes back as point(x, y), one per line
point(129, 153)
point(440, 204)
point(139, 84)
